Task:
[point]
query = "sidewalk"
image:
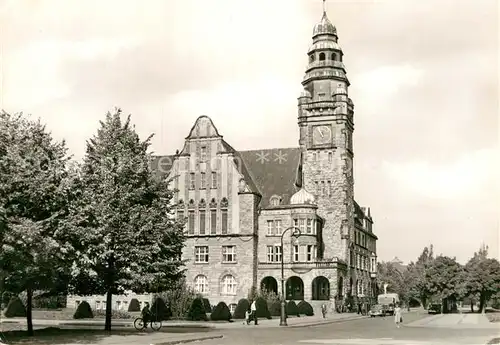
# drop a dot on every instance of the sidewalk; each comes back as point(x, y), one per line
point(473, 321)
point(303, 321)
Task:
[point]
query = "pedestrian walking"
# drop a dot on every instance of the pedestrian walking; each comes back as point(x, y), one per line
point(398, 319)
point(248, 315)
point(323, 310)
point(253, 309)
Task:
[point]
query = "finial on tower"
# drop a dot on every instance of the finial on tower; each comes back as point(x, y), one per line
point(324, 6)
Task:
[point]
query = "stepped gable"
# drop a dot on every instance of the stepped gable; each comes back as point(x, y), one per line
point(273, 171)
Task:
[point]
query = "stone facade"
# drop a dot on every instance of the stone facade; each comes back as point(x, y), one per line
point(241, 205)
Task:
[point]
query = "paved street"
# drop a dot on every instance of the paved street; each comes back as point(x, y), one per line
point(375, 331)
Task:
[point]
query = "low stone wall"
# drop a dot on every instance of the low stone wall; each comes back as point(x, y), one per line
point(98, 302)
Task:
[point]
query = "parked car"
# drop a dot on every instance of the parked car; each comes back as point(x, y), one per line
point(377, 310)
point(434, 308)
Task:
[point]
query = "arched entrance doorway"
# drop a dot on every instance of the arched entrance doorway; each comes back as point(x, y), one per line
point(294, 289)
point(269, 284)
point(320, 288)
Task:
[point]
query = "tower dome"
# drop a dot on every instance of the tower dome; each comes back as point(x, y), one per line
point(302, 197)
point(324, 27)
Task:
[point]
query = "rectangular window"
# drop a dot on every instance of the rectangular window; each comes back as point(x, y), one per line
point(201, 254)
point(296, 223)
point(203, 154)
point(329, 188)
point(317, 187)
point(202, 222)
point(277, 225)
point(203, 181)
point(296, 253)
point(274, 254)
point(323, 188)
point(309, 226)
point(228, 253)
point(270, 227)
point(311, 253)
point(330, 157)
point(192, 181)
point(214, 179)
point(191, 221)
point(224, 221)
point(302, 225)
point(213, 222)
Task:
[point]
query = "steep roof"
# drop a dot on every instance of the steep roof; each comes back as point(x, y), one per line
point(273, 171)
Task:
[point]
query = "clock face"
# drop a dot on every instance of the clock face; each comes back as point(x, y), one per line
point(322, 135)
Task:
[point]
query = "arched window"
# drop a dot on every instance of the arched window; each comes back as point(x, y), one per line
point(311, 58)
point(275, 200)
point(201, 284)
point(191, 203)
point(321, 56)
point(334, 56)
point(228, 285)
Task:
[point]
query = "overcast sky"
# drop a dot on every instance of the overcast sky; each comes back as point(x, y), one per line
point(424, 78)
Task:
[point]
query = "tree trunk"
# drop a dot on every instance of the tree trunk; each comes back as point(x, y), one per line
point(107, 324)
point(29, 311)
point(471, 306)
point(482, 303)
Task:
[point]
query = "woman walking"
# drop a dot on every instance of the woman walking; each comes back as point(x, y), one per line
point(397, 315)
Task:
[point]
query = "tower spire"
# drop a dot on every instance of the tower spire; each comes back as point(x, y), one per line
point(324, 6)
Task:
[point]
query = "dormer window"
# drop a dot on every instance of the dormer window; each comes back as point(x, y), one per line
point(275, 200)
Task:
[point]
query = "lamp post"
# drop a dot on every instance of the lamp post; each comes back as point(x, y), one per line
point(295, 233)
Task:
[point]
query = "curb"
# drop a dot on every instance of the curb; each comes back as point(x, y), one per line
point(184, 341)
point(329, 322)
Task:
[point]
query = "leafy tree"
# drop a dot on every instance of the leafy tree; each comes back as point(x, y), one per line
point(482, 277)
point(122, 225)
point(444, 277)
point(33, 199)
point(398, 279)
point(417, 275)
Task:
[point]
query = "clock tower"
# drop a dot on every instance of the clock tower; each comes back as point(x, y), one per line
point(325, 118)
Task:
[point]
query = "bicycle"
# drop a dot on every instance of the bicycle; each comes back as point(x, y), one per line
point(140, 325)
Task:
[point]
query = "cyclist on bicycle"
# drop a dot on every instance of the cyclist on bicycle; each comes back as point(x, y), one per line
point(146, 314)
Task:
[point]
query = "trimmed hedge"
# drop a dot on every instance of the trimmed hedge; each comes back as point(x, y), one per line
point(291, 308)
point(197, 311)
point(275, 308)
point(207, 306)
point(241, 309)
point(221, 313)
point(305, 308)
point(134, 305)
point(160, 310)
point(262, 310)
point(15, 308)
point(83, 311)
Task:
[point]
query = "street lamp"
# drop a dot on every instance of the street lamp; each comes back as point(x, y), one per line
point(296, 233)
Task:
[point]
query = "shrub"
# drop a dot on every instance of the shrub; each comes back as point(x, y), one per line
point(305, 308)
point(197, 311)
point(134, 305)
point(115, 314)
point(49, 302)
point(6, 297)
point(160, 310)
point(221, 313)
point(291, 308)
point(275, 308)
point(262, 309)
point(15, 308)
point(241, 309)
point(180, 298)
point(206, 305)
point(83, 311)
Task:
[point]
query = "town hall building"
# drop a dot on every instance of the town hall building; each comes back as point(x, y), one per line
point(238, 204)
